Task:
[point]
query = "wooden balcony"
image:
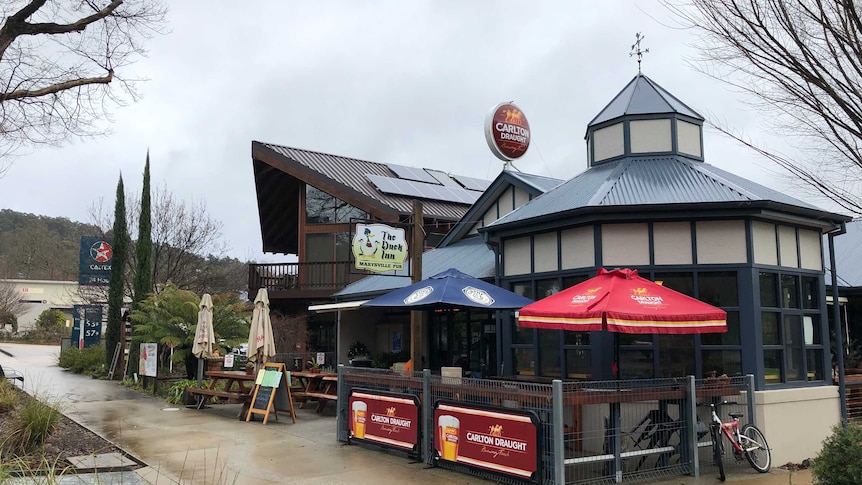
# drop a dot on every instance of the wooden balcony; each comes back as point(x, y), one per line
point(301, 280)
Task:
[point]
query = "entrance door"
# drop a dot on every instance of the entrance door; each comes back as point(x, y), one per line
point(465, 339)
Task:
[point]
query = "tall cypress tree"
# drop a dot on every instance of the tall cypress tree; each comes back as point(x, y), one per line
point(144, 250)
point(114, 330)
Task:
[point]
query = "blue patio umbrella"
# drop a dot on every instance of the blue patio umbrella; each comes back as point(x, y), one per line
point(450, 289)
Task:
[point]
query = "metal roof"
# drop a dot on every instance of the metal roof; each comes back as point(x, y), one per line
point(540, 183)
point(533, 184)
point(848, 253)
point(351, 173)
point(643, 96)
point(648, 180)
point(471, 256)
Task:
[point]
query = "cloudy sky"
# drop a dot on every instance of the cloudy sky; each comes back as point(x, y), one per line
point(389, 81)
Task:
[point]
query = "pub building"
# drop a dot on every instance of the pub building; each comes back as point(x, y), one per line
point(648, 201)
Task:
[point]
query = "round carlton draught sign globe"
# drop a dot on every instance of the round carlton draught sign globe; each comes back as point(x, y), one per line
point(507, 131)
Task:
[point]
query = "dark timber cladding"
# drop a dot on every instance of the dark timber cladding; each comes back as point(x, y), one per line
point(280, 176)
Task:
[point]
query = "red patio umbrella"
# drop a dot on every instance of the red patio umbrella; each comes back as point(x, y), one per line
point(621, 301)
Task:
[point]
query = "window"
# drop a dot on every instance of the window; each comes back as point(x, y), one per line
point(323, 208)
point(791, 327)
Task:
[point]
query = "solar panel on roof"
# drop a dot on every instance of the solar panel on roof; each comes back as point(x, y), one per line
point(443, 178)
point(409, 188)
point(411, 173)
point(471, 183)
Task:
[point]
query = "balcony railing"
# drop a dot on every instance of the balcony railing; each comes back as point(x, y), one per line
point(301, 276)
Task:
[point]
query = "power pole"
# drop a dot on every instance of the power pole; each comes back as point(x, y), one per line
point(417, 318)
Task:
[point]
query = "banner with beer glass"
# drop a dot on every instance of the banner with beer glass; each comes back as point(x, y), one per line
point(495, 439)
point(385, 418)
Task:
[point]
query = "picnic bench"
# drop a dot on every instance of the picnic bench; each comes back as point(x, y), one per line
point(235, 388)
point(317, 385)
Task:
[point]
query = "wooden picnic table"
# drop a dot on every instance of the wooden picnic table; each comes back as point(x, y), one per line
point(322, 386)
point(235, 388)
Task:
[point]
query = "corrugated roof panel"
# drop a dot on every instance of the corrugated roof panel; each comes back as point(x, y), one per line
point(648, 180)
point(351, 172)
point(471, 256)
point(543, 184)
point(574, 193)
point(666, 181)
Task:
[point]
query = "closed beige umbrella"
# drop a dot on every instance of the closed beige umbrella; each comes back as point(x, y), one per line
point(261, 345)
point(202, 346)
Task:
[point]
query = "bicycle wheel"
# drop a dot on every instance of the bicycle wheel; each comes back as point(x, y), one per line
point(717, 450)
point(756, 449)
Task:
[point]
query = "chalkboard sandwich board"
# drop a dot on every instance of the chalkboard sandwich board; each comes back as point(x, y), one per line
point(271, 393)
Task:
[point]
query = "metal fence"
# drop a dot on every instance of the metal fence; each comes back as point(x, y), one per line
point(589, 432)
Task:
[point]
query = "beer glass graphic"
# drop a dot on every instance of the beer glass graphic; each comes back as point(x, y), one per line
point(360, 411)
point(449, 428)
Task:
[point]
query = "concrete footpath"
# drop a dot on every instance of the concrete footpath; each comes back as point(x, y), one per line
point(211, 446)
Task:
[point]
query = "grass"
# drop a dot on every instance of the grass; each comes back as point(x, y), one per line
point(34, 420)
point(8, 397)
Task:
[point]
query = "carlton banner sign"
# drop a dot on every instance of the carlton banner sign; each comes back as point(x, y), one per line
point(498, 440)
point(507, 132)
point(386, 418)
point(95, 262)
point(379, 248)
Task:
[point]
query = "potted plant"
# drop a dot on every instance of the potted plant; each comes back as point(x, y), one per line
point(313, 366)
point(357, 354)
point(249, 368)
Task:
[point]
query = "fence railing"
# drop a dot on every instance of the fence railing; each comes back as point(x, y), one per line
point(301, 276)
point(589, 432)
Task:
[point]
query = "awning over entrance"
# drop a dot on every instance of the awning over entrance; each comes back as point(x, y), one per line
point(335, 307)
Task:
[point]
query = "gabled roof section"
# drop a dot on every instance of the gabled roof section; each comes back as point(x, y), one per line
point(643, 96)
point(534, 185)
point(637, 181)
point(346, 178)
point(471, 256)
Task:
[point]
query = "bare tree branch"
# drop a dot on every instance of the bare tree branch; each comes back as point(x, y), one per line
point(61, 64)
point(54, 88)
point(801, 60)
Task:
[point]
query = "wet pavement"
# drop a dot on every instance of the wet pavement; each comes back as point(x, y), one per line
point(211, 446)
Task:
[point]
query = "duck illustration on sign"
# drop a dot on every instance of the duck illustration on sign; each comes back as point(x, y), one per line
point(379, 248)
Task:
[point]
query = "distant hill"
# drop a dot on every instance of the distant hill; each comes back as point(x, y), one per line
point(47, 248)
point(40, 247)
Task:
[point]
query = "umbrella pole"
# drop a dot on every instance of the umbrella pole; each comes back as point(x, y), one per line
point(200, 371)
point(616, 356)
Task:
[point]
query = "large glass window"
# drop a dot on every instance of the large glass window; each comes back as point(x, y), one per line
point(791, 327)
point(524, 360)
point(676, 355)
point(721, 353)
point(521, 335)
point(549, 350)
point(323, 208)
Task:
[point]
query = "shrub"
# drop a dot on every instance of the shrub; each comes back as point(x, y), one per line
point(840, 460)
point(8, 396)
point(90, 360)
point(36, 419)
point(51, 319)
point(176, 391)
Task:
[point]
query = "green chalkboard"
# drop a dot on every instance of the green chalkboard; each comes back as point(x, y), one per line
point(261, 400)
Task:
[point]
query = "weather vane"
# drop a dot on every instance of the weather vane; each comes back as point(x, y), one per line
point(636, 49)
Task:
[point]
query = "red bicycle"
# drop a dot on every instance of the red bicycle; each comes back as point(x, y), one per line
point(747, 441)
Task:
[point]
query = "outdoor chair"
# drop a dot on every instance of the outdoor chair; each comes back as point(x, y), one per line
point(11, 374)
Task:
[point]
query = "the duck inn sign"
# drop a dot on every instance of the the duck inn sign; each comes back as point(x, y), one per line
point(379, 248)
